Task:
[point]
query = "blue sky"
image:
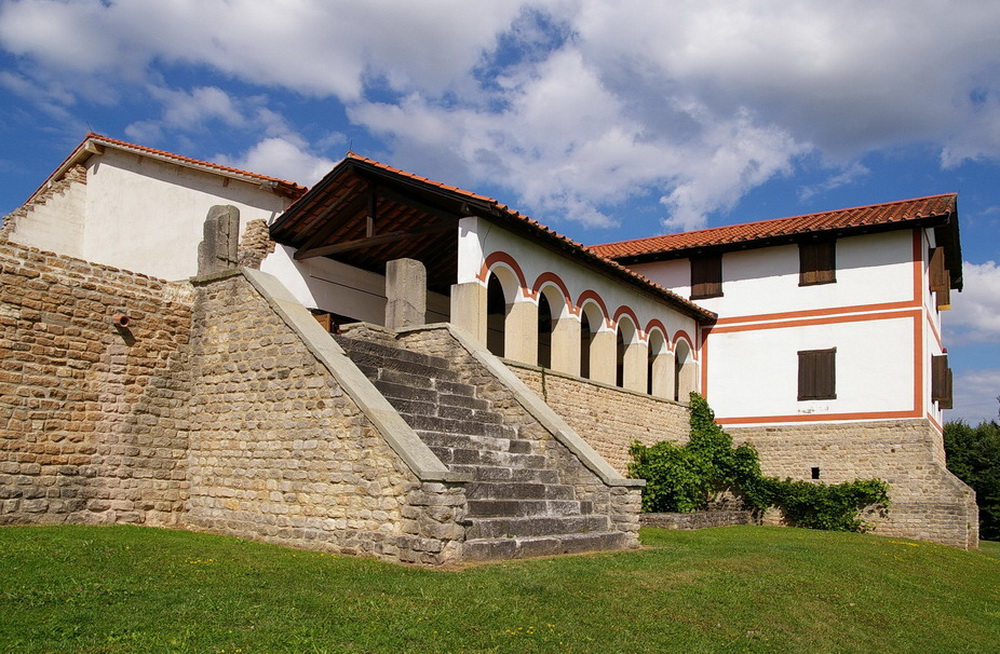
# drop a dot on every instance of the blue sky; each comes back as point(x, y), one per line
point(605, 120)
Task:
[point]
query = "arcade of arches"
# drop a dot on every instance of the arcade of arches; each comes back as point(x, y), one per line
point(546, 329)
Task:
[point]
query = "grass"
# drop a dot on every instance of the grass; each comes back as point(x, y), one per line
point(128, 589)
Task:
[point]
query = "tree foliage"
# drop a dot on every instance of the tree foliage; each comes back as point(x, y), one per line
point(685, 478)
point(973, 455)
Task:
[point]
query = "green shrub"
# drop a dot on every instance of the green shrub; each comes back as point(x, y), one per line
point(686, 478)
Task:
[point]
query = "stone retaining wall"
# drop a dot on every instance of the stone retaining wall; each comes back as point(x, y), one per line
point(280, 452)
point(609, 418)
point(93, 417)
point(698, 520)
point(928, 502)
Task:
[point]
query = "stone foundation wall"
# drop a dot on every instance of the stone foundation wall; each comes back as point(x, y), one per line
point(621, 504)
point(279, 451)
point(93, 424)
point(698, 520)
point(928, 502)
point(609, 418)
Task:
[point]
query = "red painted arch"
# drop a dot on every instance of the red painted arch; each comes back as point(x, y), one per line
point(592, 295)
point(555, 280)
point(503, 257)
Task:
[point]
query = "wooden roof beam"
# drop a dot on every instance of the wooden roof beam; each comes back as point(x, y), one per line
point(381, 239)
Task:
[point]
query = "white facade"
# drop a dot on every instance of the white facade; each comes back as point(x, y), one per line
point(879, 314)
point(139, 213)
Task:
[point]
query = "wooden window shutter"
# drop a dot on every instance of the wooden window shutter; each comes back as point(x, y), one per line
point(817, 263)
point(818, 374)
point(938, 271)
point(941, 381)
point(706, 276)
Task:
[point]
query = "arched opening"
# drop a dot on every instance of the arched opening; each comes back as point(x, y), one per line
point(496, 316)
point(545, 326)
point(585, 338)
point(620, 346)
point(683, 371)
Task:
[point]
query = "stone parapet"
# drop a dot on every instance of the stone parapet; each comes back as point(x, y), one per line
point(608, 417)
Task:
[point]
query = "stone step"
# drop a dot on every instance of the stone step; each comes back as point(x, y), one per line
point(465, 441)
point(509, 490)
point(394, 392)
point(519, 508)
point(468, 413)
point(464, 456)
point(379, 353)
point(463, 401)
point(464, 427)
point(533, 526)
point(518, 548)
point(484, 473)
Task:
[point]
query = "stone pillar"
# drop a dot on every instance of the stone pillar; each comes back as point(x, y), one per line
point(663, 375)
point(636, 363)
point(219, 248)
point(405, 293)
point(566, 345)
point(604, 357)
point(468, 309)
point(521, 332)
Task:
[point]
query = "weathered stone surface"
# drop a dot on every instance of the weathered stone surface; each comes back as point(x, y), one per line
point(219, 248)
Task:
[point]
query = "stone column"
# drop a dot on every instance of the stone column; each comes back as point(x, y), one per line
point(405, 293)
point(521, 332)
point(663, 375)
point(566, 345)
point(635, 374)
point(604, 357)
point(468, 309)
point(219, 248)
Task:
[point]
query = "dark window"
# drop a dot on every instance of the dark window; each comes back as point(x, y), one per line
point(817, 263)
point(706, 276)
point(941, 381)
point(818, 374)
point(814, 473)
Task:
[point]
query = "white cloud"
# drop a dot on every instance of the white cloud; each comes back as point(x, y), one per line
point(975, 394)
point(975, 314)
point(843, 178)
point(282, 157)
point(573, 105)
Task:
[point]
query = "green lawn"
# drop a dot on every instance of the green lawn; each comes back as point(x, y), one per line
point(128, 589)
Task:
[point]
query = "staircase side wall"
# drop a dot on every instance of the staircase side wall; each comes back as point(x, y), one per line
point(928, 502)
point(620, 503)
point(279, 452)
point(93, 424)
point(609, 418)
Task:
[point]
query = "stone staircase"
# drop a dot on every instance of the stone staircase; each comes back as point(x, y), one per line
point(517, 505)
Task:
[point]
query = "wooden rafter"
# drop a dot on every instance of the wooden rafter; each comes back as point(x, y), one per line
point(381, 239)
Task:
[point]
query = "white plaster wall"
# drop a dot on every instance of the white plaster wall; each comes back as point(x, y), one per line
point(321, 283)
point(56, 224)
point(147, 216)
point(479, 238)
point(755, 373)
point(871, 269)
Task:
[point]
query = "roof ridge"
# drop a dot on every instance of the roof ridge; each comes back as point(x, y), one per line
point(773, 220)
point(173, 155)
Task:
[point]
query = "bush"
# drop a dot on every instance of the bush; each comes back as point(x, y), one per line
point(973, 455)
point(686, 478)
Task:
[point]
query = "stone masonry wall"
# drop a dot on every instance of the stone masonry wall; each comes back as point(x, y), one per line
point(621, 504)
point(928, 502)
point(279, 452)
point(609, 418)
point(92, 417)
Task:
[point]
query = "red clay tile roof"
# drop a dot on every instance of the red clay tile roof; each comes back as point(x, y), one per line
point(501, 211)
point(81, 152)
point(872, 216)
